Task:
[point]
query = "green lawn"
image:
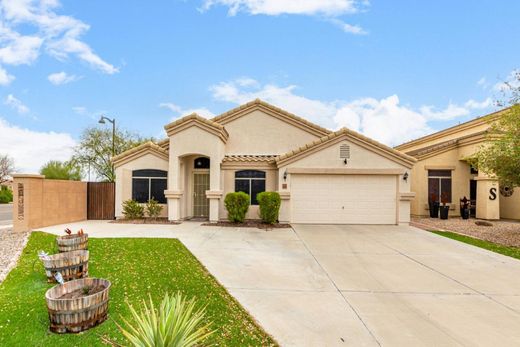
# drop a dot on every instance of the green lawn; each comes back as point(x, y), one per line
point(135, 267)
point(513, 252)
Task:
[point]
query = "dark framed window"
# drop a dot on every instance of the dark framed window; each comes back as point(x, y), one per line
point(439, 184)
point(149, 184)
point(201, 163)
point(250, 182)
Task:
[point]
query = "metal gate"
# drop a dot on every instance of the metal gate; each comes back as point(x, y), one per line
point(101, 200)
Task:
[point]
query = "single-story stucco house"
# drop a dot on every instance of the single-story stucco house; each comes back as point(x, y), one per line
point(442, 167)
point(321, 175)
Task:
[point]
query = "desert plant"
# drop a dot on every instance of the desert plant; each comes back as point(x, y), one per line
point(153, 209)
point(269, 203)
point(237, 205)
point(132, 209)
point(6, 195)
point(175, 323)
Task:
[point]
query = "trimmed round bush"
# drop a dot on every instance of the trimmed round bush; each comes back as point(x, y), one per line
point(269, 203)
point(237, 205)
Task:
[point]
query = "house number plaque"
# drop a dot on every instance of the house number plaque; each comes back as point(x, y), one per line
point(20, 201)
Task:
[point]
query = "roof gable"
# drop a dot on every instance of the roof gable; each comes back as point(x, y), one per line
point(273, 111)
point(139, 151)
point(352, 136)
point(197, 121)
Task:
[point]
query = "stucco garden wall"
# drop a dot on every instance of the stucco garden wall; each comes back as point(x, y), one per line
point(39, 202)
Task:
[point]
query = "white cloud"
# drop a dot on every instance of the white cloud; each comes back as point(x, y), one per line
point(16, 104)
point(5, 78)
point(278, 7)
point(203, 112)
point(80, 110)
point(58, 35)
point(31, 149)
point(327, 9)
point(348, 28)
point(385, 120)
point(62, 77)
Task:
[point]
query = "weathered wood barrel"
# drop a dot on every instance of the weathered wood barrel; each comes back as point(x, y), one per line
point(72, 265)
point(73, 242)
point(73, 311)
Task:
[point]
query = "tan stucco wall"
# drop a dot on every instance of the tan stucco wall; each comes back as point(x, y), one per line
point(460, 178)
point(259, 133)
point(124, 179)
point(47, 202)
point(510, 206)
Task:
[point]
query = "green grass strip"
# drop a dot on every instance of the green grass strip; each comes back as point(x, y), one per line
point(513, 252)
point(136, 267)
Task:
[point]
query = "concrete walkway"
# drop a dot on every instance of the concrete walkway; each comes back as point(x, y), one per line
point(354, 285)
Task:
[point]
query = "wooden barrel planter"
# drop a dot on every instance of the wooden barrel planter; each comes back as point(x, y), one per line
point(74, 242)
point(72, 265)
point(77, 305)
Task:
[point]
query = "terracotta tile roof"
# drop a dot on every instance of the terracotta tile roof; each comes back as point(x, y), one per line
point(194, 116)
point(438, 146)
point(147, 146)
point(258, 102)
point(249, 158)
point(478, 120)
point(348, 132)
point(165, 143)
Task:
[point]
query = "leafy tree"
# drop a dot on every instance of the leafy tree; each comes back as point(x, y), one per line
point(6, 168)
point(61, 170)
point(95, 149)
point(501, 155)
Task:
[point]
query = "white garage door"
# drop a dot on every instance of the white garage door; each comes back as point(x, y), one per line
point(343, 199)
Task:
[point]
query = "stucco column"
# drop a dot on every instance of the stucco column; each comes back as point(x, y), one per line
point(27, 202)
point(488, 202)
point(174, 192)
point(214, 194)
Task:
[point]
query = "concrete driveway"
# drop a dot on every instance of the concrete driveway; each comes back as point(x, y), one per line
point(355, 285)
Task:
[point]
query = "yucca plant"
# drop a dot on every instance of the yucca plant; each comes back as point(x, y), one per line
point(176, 323)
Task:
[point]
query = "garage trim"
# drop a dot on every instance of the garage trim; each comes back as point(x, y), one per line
point(341, 171)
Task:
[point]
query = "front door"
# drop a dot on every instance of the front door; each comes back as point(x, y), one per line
point(200, 201)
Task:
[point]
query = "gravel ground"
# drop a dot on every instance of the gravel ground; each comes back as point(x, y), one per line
point(11, 246)
point(502, 232)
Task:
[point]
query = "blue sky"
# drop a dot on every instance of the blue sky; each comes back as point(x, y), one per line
point(393, 70)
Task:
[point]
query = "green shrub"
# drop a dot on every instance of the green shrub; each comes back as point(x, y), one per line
point(175, 323)
point(132, 209)
point(237, 205)
point(269, 203)
point(6, 195)
point(153, 209)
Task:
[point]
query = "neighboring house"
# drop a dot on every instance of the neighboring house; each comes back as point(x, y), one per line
point(442, 167)
point(322, 176)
